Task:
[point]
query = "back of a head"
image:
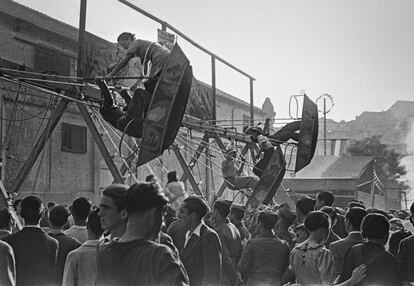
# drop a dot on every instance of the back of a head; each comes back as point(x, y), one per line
point(237, 213)
point(327, 197)
point(172, 176)
point(331, 212)
point(355, 216)
point(58, 216)
point(32, 209)
point(6, 219)
point(93, 223)
point(51, 205)
point(305, 204)
point(375, 226)
point(149, 178)
point(81, 208)
point(316, 220)
point(223, 207)
point(267, 219)
point(126, 36)
point(196, 205)
point(142, 197)
point(355, 203)
point(117, 192)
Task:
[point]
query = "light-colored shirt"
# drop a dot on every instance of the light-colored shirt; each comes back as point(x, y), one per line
point(195, 232)
point(80, 267)
point(312, 264)
point(229, 169)
point(79, 232)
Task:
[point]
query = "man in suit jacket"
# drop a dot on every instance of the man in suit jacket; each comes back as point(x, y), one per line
point(381, 266)
point(34, 250)
point(201, 252)
point(230, 241)
point(339, 249)
point(405, 259)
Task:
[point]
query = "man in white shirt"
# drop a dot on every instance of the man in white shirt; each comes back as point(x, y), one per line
point(80, 267)
point(80, 211)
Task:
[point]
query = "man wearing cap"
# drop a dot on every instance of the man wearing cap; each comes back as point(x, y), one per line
point(230, 173)
point(230, 241)
point(201, 253)
point(236, 217)
point(265, 257)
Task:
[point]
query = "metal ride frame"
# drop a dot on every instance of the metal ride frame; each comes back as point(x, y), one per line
point(118, 174)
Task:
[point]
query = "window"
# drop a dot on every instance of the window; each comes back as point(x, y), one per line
point(74, 138)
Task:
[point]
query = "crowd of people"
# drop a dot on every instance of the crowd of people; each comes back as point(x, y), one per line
point(134, 237)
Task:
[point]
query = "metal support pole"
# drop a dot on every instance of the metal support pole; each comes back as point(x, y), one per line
point(81, 39)
point(195, 156)
point(186, 170)
point(373, 186)
point(2, 138)
point(324, 126)
point(100, 143)
point(208, 183)
point(40, 144)
point(251, 103)
point(213, 86)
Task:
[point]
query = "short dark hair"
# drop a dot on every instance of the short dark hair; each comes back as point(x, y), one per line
point(305, 204)
point(238, 213)
point(6, 218)
point(58, 216)
point(412, 208)
point(375, 226)
point(196, 205)
point(223, 209)
point(331, 212)
point(316, 220)
point(172, 176)
point(149, 178)
point(326, 196)
point(125, 36)
point(32, 209)
point(355, 203)
point(81, 208)
point(268, 221)
point(142, 197)
point(355, 216)
point(117, 192)
point(93, 223)
point(16, 203)
point(51, 204)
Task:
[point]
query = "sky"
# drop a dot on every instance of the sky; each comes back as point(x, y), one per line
point(359, 52)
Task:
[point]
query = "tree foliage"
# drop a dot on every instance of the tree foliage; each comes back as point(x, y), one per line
point(388, 161)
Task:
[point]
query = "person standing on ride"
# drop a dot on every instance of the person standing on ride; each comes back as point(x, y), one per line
point(147, 52)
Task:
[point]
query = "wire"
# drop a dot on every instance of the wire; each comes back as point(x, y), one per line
point(45, 90)
point(67, 77)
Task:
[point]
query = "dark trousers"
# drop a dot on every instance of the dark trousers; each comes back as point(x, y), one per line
point(261, 165)
point(287, 132)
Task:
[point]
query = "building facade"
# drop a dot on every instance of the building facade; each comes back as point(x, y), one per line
point(71, 164)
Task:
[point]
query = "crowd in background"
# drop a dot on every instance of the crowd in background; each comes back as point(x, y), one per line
point(143, 235)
